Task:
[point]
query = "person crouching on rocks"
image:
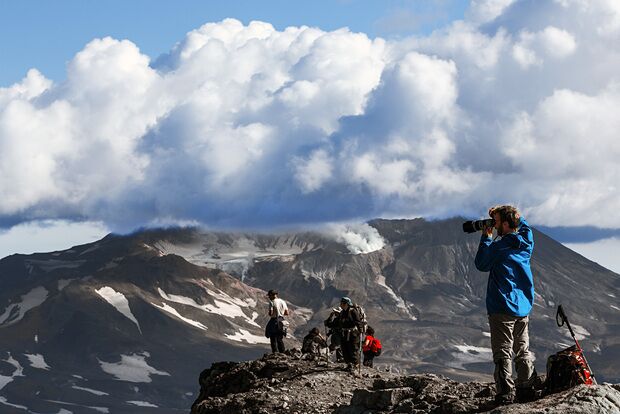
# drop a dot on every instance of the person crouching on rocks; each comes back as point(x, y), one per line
point(371, 347)
point(350, 324)
point(313, 343)
point(276, 327)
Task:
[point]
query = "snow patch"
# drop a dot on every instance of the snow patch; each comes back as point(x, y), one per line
point(19, 372)
point(223, 304)
point(96, 392)
point(615, 307)
point(132, 368)
point(142, 404)
point(468, 354)
point(580, 332)
point(16, 311)
point(4, 401)
point(243, 335)
point(120, 303)
point(167, 308)
point(400, 303)
point(37, 361)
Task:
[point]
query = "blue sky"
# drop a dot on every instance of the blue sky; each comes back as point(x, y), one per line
point(259, 115)
point(47, 34)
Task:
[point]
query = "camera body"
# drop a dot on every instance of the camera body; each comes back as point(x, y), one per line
point(473, 226)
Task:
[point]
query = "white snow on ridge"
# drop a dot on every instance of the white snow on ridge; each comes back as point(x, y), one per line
point(224, 304)
point(248, 337)
point(580, 332)
point(19, 372)
point(167, 308)
point(90, 390)
point(400, 303)
point(16, 311)
point(468, 354)
point(142, 404)
point(132, 368)
point(4, 401)
point(119, 301)
point(37, 361)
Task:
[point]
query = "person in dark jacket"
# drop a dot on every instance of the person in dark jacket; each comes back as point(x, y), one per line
point(313, 343)
point(334, 334)
point(350, 325)
point(509, 300)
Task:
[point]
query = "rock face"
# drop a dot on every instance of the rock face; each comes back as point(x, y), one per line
point(286, 383)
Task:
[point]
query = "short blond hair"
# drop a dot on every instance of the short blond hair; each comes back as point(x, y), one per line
point(507, 213)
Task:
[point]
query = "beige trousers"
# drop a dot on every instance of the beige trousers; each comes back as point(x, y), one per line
point(510, 334)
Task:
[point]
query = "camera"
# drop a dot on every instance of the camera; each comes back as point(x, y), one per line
point(477, 225)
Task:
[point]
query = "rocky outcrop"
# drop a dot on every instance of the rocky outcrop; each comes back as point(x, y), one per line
point(287, 383)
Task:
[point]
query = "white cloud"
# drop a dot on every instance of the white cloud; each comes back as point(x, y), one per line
point(359, 238)
point(246, 124)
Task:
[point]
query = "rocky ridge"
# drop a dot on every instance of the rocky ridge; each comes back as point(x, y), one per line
point(287, 383)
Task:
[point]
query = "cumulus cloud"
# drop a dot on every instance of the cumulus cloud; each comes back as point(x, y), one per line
point(246, 125)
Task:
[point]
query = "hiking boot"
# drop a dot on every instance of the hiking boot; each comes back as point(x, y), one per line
point(504, 399)
point(527, 394)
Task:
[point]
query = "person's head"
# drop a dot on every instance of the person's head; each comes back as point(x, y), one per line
point(370, 331)
point(272, 294)
point(314, 331)
point(345, 302)
point(506, 218)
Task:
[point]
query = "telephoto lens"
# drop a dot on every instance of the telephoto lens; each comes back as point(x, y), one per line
point(473, 226)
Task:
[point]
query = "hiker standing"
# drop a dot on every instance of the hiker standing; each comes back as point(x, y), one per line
point(276, 327)
point(334, 333)
point(509, 300)
point(371, 347)
point(350, 324)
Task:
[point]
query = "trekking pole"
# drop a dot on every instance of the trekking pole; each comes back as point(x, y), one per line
point(359, 365)
point(561, 319)
point(326, 349)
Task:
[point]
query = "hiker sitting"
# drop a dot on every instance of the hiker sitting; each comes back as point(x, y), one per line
point(313, 343)
point(371, 347)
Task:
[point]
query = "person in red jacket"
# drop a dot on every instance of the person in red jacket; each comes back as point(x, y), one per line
point(371, 347)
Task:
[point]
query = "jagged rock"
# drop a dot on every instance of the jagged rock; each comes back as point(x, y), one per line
point(286, 383)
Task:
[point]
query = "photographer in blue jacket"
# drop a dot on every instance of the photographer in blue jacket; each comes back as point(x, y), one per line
point(510, 296)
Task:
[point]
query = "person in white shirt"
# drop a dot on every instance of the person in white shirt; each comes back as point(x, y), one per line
point(276, 327)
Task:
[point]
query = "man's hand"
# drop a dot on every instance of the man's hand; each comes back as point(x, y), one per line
point(488, 231)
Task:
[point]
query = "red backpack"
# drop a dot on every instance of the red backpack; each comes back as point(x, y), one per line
point(375, 346)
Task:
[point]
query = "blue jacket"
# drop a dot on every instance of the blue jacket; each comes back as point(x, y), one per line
point(511, 287)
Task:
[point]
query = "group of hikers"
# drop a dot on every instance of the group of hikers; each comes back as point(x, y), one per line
point(345, 328)
point(509, 300)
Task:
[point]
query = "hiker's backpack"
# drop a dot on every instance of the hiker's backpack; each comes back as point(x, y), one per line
point(566, 369)
point(362, 315)
point(376, 347)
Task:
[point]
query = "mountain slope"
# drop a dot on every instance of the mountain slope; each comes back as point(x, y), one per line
point(132, 319)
